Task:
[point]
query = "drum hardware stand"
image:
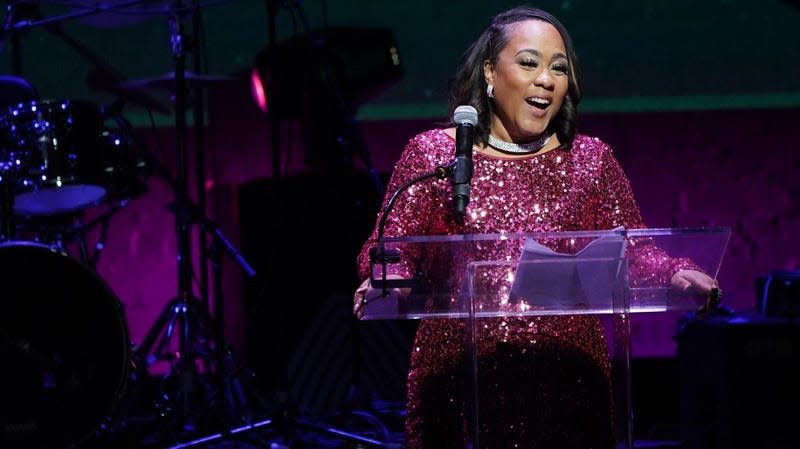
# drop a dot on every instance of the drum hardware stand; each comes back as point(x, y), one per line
point(105, 219)
point(62, 235)
point(81, 231)
point(196, 326)
point(200, 336)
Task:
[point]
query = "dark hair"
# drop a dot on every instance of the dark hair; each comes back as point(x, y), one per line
point(469, 85)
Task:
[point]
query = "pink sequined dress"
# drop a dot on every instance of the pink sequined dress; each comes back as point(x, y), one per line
point(544, 380)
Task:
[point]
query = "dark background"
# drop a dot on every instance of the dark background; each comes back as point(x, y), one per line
point(650, 55)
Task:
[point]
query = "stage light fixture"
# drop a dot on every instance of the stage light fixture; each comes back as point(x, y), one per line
point(351, 63)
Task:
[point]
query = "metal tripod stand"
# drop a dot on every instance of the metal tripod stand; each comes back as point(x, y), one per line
point(201, 352)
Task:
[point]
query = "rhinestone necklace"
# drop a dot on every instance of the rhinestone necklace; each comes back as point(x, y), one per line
point(525, 148)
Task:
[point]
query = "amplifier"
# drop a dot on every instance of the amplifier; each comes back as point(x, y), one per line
point(779, 294)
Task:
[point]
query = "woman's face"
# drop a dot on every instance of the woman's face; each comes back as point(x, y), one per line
point(530, 81)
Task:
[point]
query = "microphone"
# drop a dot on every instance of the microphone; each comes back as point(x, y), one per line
point(465, 117)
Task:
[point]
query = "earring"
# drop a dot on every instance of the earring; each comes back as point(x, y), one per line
point(490, 90)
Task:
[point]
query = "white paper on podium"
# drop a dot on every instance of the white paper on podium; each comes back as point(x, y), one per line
point(586, 279)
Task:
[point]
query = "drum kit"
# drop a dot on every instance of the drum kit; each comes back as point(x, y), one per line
point(66, 353)
point(65, 344)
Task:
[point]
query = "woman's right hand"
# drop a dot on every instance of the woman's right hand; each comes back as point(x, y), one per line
point(365, 293)
point(359, 299)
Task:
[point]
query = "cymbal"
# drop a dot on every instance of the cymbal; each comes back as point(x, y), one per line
point(107, 81)
point(167, 81)
point(114, 13)
point(118, 13)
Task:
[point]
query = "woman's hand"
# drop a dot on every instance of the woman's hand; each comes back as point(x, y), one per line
point(694, 281)
point(700, 283)
point(365, 293)
point(359, 299)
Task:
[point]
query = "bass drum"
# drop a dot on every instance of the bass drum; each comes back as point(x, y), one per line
point(64, 347)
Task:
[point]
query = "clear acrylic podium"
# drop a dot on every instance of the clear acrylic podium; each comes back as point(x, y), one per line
point(610, 274)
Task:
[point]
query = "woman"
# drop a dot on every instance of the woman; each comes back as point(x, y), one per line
point(544, 380)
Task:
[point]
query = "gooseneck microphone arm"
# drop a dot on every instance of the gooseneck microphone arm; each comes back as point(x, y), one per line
point(383, 256)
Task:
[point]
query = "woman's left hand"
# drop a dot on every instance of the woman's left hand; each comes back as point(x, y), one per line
point(694, 281)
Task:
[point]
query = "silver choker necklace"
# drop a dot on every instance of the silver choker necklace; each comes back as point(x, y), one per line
point(525, 148)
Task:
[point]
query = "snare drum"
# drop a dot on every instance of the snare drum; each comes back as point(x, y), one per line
point(64, 347)
point(52, 152)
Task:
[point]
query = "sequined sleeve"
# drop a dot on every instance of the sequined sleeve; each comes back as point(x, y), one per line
point(649, 265)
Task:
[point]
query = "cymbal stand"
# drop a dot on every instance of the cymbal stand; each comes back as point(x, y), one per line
point(186, 314)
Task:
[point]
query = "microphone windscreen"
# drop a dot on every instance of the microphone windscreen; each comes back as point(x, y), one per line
point(465, 115)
